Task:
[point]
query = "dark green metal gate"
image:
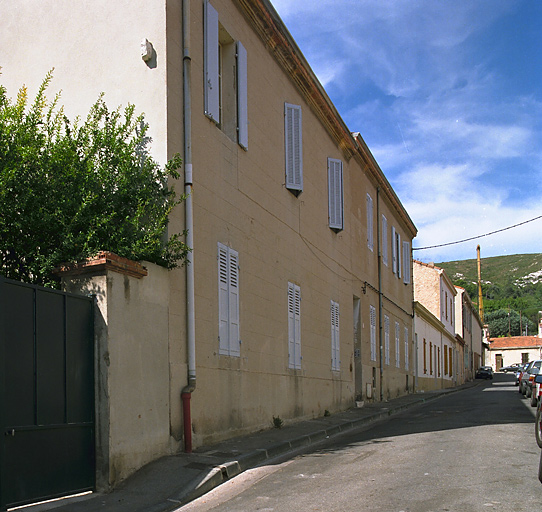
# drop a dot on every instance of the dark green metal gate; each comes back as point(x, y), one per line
point(47, 444)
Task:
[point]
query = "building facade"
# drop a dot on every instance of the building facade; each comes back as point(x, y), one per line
point(298, 295)
point(515, 349)
point(439, 353)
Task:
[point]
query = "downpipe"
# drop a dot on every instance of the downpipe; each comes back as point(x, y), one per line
point(186, 393)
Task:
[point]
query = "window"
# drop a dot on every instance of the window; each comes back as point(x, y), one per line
point(446, 304)
point(228, 301)
point(450, 361)
point(384, 240)
point(406, 262)
point(438, 362)
point(335, 193)
point(397, 348)
point(372, 310)
point(225, 68)
point(407, 362)
point(396, 252)
point(294, 148)
point(370, 242)
point(294, 326)
point(335, 360)
point(430, 358)
point(387, 339)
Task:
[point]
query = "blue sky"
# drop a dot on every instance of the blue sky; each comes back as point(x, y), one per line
point(448, 97)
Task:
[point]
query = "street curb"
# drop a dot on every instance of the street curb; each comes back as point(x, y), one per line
point(224, 472)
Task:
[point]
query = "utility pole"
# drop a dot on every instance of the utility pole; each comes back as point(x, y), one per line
point(480, 300)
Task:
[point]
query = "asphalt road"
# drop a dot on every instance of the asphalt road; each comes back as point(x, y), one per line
point(473, 450)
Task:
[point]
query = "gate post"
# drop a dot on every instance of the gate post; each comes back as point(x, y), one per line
point(132, 362)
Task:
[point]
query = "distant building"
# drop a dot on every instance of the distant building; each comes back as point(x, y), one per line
point(513, 349)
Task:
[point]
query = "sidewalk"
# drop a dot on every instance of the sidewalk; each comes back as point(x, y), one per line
point(170, 482)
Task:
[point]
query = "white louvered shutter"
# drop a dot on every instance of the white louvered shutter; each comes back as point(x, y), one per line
point(370, 239)
point(228, 301)
point(335, 346)
point(293, 146)
point(233, 303)
point(387, 339)
point(384, 240)
point(397, 345)
point(242, 96)
point(406, 262)
point(373, 332)
point(335, 192)
point(223, 307)
point(294, 326)
point(393, 251)
point(212, 90)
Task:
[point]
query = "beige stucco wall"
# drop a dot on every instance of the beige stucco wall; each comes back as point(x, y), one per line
point(240, 200)
point(94, 47)
point(132, 384)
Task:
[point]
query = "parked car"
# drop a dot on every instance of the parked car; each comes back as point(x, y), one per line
point(512, 368)
point(536, 389)
point(523, 377)
point(538, 422)
point(520, 372)
point(528, 376)
point(484, 372)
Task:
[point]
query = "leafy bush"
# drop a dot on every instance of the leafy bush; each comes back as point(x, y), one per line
point(69, 190)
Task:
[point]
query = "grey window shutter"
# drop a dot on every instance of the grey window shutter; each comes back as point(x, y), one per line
point(242, 97)
point(370, 241)
point(223, 307)
point(384, 240)
point(294, 326)
point(406, 262)
point(393, 251)
point(211, 86)
point(293, 147)
point(233, 303)
point(335, 191)
point(335, 347)
point(228, 301)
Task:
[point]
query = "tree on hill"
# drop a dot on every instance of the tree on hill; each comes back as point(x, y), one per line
point(69, 190)
point(504, 322)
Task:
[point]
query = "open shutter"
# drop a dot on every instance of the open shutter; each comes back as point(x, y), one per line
point(293, 146)
point(370, 242)
point(233, 303)
point(211, 86)
point(406, 262)
point(335, 347)
point(335, 191)
point(384, 240)
point(398, 250)
point(242, 99)
point(223, 308)
point(372, 310)
point(393, 251)
point(407, 362)
point(387, 339)
point(397, 345)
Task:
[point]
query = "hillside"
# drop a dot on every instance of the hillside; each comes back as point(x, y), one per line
point(513, 282)
point(519, 269)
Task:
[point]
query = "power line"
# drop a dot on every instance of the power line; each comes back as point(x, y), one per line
point(475, 237)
